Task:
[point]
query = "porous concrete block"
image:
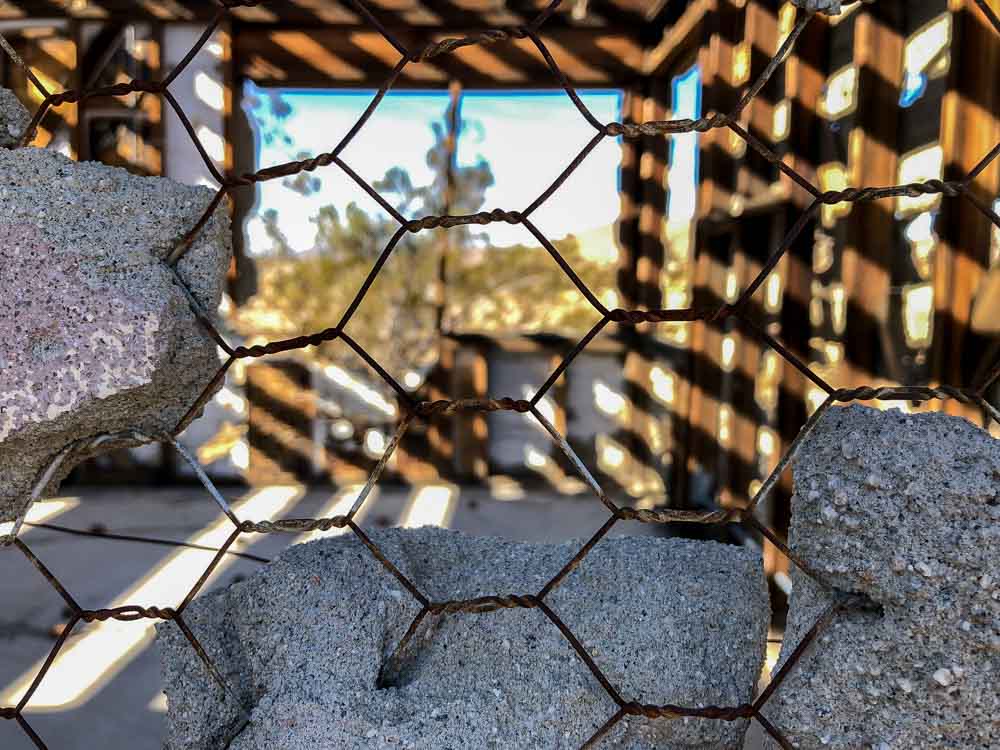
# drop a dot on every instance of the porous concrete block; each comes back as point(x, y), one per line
point(14, 118)
point(831, 7)
point(906, 510)
point(303, 642)
point(97, 335)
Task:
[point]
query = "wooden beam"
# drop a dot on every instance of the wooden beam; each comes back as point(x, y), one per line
point(677, 41)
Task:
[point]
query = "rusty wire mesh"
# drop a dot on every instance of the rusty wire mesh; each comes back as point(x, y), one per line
point(626, 705)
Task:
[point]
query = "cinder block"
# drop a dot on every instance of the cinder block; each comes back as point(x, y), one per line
point(904, 509)
point(98, 336)
point(305, 640)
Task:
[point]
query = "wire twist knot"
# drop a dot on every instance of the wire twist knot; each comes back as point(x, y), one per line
point(431, 408)
point(129, 614)
point(673, 515)
point(295, 525)
point(482, 218)
point(484, 604)
point(723, 713)
point(666, 127)
point(446, 46)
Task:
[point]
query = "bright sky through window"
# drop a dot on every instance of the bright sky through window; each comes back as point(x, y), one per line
point(682, 177)
point(925, 55)
point(527, 138)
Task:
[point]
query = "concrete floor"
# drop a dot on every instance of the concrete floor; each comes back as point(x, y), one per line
point(105, 692)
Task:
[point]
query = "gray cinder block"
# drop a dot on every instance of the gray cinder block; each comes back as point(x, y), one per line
point(14, 118)
point(304, 641)
point(905, 510)
point(97, 336)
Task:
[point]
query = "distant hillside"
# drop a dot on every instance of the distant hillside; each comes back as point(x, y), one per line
point(599, 244)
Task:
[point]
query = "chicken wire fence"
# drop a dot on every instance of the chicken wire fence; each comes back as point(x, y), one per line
point(627, 705)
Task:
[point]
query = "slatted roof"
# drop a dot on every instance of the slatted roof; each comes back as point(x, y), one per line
point(361, 57)
point(328, 42)
point(632, 14)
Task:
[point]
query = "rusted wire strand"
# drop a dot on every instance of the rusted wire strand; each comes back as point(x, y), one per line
point(775, 62)
point(209, 664)
point(606, 727)
point(16, 58)
point(113, 537)
point(50, 658)
point(28, 730)
point(559, 577)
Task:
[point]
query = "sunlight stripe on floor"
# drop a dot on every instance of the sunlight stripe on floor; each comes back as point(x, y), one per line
point(46, 510)
point(88, 662)
point(42, 511)
point(430, 505)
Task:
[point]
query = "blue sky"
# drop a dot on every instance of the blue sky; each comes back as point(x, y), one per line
point(528, 138)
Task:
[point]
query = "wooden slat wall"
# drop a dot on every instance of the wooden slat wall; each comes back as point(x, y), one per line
point(711, 253)
point(970, 127)
point(52, 53)
point(64, 57)
point(871, 348)
point(282, 413)
point(641, 264)
point(140, 146)
point(859, 252)
point(756, 42)
point(781, 305)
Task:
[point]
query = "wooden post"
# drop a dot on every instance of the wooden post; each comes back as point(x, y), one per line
point(870, 346)
point(715, 437)
point(970, 128)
